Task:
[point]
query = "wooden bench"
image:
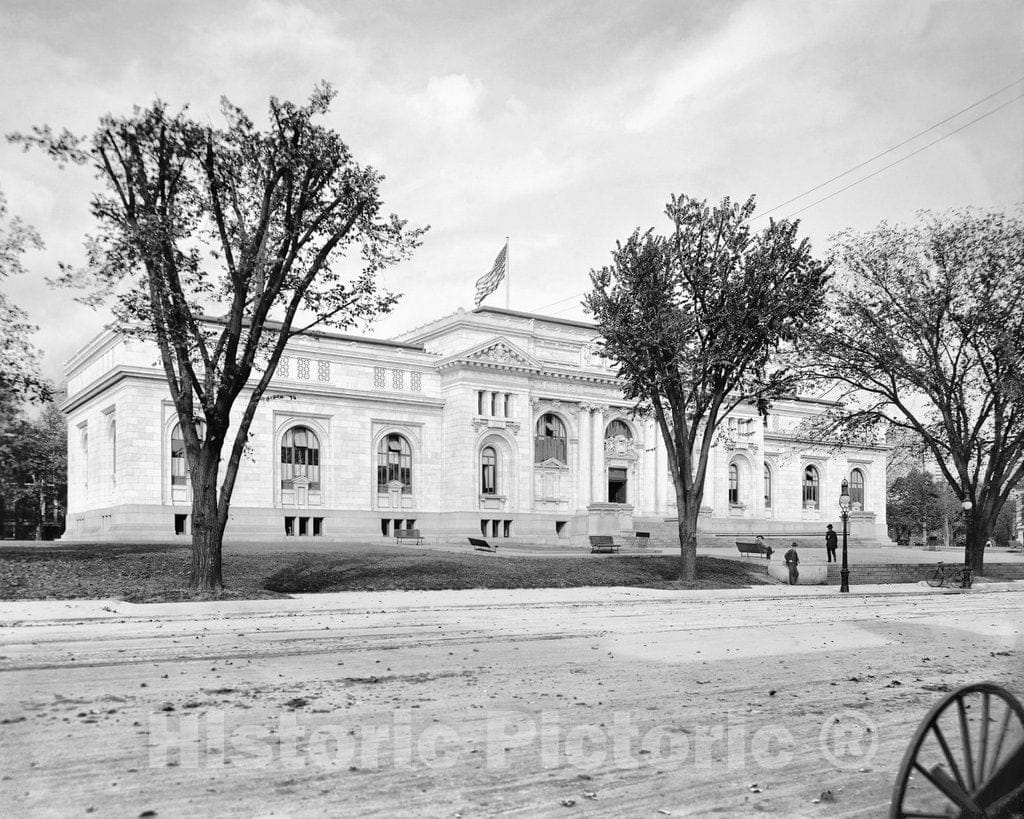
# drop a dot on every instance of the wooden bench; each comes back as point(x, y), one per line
point(482, 545)
point(408, 534)
point(751, 548)
point(603, 544)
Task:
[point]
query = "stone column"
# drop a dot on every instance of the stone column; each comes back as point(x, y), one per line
point(598, 483)
point(662, 478)
point(583, 453)
point(646, 502)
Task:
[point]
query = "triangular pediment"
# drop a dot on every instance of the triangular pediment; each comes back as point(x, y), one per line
point(498, 352)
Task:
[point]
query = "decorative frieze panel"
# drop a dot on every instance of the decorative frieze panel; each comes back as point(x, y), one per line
point(480, 423)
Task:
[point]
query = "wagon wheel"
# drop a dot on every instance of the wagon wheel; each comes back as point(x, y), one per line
point(966, 758)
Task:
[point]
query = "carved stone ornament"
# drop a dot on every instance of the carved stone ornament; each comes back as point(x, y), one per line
point(500, 354)
point(620, 447)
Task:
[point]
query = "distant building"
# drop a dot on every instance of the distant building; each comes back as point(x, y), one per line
point(489, 422)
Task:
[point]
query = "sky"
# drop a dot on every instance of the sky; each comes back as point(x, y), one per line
point(562, 125)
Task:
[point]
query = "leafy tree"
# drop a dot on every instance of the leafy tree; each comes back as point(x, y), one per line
point(913, 503)
point(255, 226)
point(34, 465)
point(19, 360)
point(693, 321)
point(1002, 532)
point(926, 332)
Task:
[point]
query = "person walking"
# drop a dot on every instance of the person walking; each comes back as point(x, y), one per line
point(831, 541)
point(792, 561)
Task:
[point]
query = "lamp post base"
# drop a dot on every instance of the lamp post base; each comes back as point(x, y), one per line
point(844, 585)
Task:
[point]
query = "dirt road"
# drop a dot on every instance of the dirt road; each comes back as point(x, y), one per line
point(552, 702)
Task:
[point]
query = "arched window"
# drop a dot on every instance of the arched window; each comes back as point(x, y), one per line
point(857, 489)
point(394, 463)
point(734, 483)
point(550, 441)
point(179, 462)
point(618, 429)
point(300, 458)
point(811, 494)
point(488, 471)
point(767, 487)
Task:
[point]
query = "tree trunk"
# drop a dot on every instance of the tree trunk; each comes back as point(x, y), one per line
point(687, 541)
point(976, 535)
point(207, 533)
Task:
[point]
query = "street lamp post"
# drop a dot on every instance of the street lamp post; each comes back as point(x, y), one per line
point(844, 513)
point(968, 568)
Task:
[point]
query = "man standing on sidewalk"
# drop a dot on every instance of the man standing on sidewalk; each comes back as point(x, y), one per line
point(792, 561)
point(831, 541)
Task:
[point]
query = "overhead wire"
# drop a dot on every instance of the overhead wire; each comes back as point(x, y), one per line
point(868, 161)
point(899, 145)
point(908, 156)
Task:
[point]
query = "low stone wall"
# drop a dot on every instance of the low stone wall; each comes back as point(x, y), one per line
point(914, 572)
point(810, 575)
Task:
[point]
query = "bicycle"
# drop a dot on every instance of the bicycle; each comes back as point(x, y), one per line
point(944, 575)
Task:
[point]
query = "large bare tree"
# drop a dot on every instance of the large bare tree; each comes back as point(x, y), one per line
point(257, 227)
point(693, 321)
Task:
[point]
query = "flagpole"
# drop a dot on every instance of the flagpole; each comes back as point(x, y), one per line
point(508, 271)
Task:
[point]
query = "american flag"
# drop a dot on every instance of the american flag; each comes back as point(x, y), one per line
point(489, 282)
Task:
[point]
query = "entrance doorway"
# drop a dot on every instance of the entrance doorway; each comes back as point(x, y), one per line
point(616, 485)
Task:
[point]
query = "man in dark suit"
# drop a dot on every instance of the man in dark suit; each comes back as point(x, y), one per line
point(830, 544)
point(792, 561)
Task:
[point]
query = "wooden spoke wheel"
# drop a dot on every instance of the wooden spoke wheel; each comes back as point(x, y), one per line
point(966, 758)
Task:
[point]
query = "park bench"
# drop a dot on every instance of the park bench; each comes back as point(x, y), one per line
point(408, 534)
point(603, 544)
point(751, 548)
point(482, 545)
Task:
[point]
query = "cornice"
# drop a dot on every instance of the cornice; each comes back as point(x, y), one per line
point(275, 390)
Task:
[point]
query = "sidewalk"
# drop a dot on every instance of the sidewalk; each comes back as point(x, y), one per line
point(36, 612)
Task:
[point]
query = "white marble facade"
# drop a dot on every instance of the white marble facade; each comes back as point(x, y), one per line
point(490, 421)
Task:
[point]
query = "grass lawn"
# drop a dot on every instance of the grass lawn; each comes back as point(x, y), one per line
point(157, 573)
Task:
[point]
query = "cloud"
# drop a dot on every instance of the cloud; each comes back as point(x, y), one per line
point(749, 37)
point(449, 101)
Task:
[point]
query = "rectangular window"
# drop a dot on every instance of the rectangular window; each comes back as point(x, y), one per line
point(180, 524)
point(494, 404)
point(379, 381)
point(410, 524)
point(484, 527)
point(415, 381)
point(494, 527)
point(323, 370)
point(318, 527)
point(479, 402)
point(398, 379)
point(508, 528)
point(384, 522)
point(560, 527)
point(289, 527)
point(508, 405)
point(304, 369)
point(284, 366)
point(303, 527)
